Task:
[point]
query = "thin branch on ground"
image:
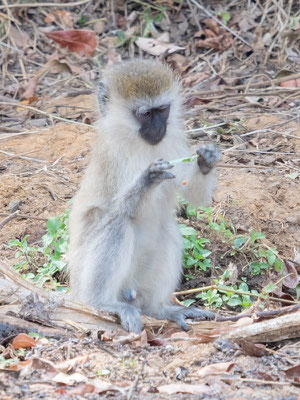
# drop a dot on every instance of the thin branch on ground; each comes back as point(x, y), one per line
point(49, 115)
point(29, 5)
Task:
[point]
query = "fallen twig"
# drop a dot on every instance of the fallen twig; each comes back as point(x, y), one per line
point(27, 5)
point(24, 216)
point(262, 314)
point(262, 382)
point(272, 330)
point(49, 115)
point(8, 218)
point(22, 157)
point(253, 85)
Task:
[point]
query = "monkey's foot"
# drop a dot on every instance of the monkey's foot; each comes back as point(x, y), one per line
point(209, 155)
point(179, 315)
point(157, 171)
point(130, 318)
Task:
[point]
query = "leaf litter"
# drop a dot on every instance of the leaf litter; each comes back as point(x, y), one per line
point(226, 82)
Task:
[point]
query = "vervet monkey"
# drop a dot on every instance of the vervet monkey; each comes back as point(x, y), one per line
point(125, 248)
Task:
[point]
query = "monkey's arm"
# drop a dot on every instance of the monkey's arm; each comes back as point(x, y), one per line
point(197, 180)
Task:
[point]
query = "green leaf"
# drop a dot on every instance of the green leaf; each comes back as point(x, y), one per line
point(191, 211)
point(81, 21)
point(234, 301)
point(225, 16)
point(187, 230)
point(269, 288)
point(14, 242)
point(257, 266)
point(293, 175)
point(244, 287)
point(53, 224)
point(298, 291)
point(239, 241)
point(246, 301)
point(188, 302)
point(187, 244)
point(271, 257)
point(278, 264)
point(190, 261)
point(30, 275)
point(256, 236)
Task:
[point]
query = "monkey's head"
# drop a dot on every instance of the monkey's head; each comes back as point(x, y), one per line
point(143, 94)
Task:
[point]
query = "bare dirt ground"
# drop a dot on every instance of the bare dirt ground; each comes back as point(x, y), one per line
point(240, 85)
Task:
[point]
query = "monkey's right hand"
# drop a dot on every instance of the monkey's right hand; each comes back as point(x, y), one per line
point(157, 171)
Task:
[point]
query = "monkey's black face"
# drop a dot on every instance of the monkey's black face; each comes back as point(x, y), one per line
point(153, 123)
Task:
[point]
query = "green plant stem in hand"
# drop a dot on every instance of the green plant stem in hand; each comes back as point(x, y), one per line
point(185, 159)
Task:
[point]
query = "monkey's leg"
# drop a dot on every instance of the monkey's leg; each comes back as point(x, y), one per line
point(105, 258)
point(165, 275)
point(104, 262)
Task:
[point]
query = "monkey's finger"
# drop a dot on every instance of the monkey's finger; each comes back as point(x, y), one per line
point(160, 166)
point(168, 175)
point(180, 320)
point(198, 313)
point(161, 175)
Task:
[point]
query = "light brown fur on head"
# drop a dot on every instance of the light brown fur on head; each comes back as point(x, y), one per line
point(139, 79)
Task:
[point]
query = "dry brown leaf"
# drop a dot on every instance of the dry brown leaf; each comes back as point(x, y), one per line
point(253, 349)
point(63, 17)
point(31, 88)
point(99, 27)
point(82, 42)
point(19, 38)
point(23, 341)
point(213, 37)
point(174, 388)
point(297, 260)
point(56, 67)
point(215, 369)
point(293, 372)
point(67, 365)
point(113, 57)
point(155, 47)
point(82, 389)
point(69, 379)
point(220, 43)
point(213, 25)
point(19, 365)
point(153, 341)
point(142, 341)
point(103, 386)
point(291, 279)
point(194, 78)
point(178, 62)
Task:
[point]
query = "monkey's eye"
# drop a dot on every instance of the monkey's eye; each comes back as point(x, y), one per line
point(163, 109)
point(145, 114)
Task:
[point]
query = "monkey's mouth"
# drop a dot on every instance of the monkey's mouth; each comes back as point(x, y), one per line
point(154, 136)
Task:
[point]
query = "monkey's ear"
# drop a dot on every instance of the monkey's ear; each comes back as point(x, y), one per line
point(102, 97)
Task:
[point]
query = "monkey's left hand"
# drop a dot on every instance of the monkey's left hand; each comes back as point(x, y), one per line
point(209, 155)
